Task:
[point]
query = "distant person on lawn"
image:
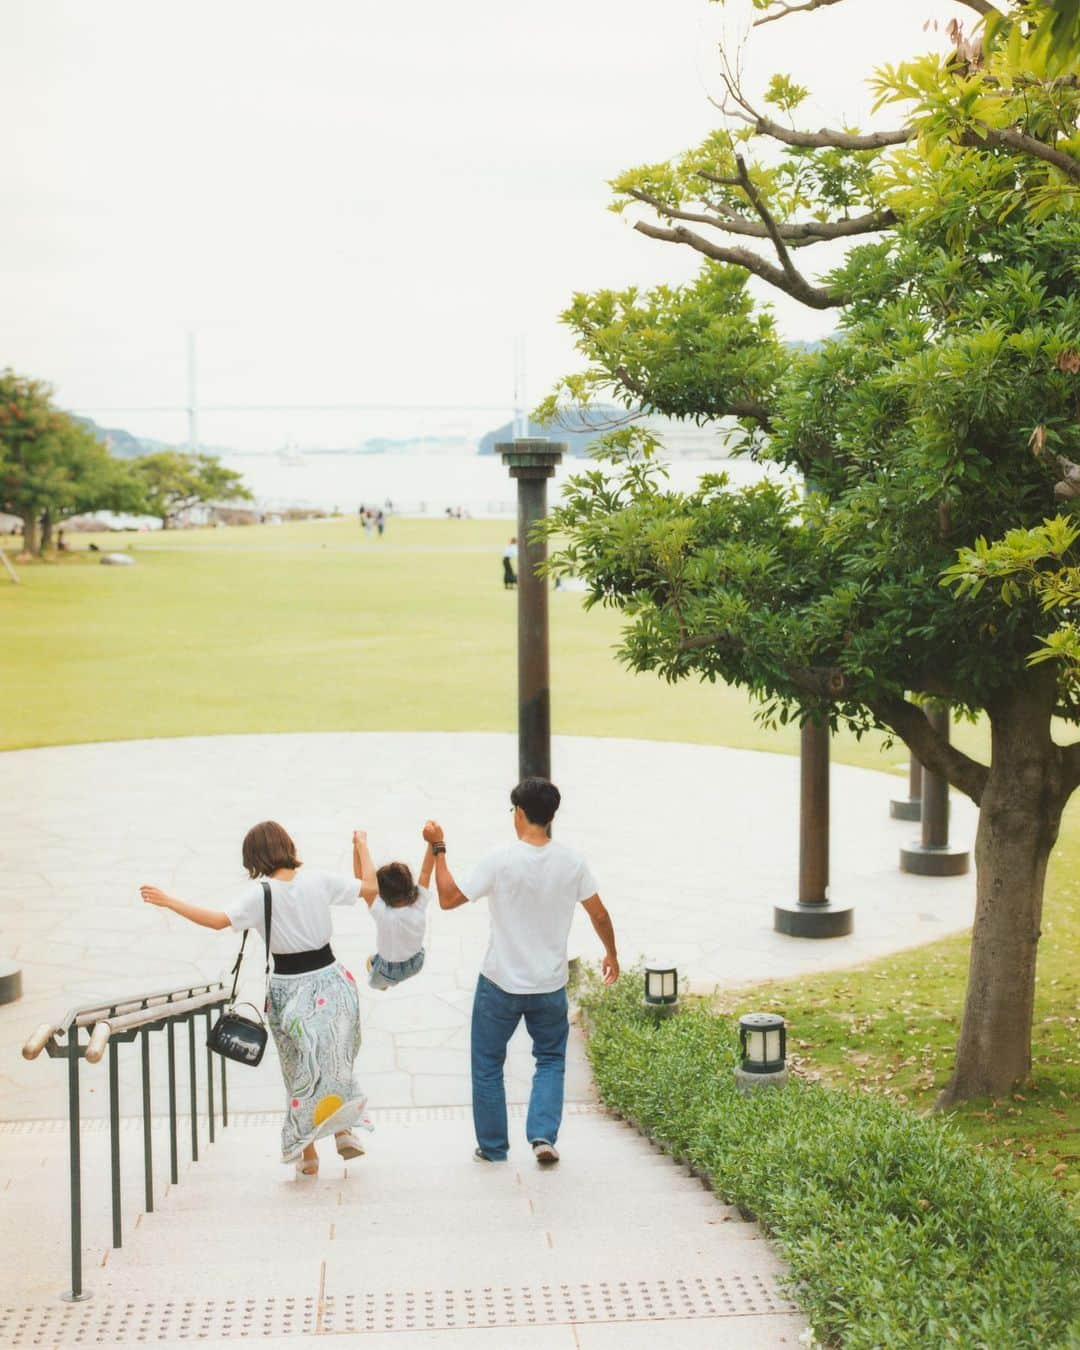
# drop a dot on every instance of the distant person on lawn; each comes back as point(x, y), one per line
point(533, 887)
point(509, 562)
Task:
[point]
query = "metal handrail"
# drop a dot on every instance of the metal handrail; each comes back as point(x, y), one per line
point(109, 1025)
point(89, 1013)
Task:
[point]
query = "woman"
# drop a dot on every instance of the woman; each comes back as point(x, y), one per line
point(312, 1003)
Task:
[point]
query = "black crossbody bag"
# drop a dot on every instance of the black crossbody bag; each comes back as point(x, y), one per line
point(234, 1035)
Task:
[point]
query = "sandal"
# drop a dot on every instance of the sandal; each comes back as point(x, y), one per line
point(348, 1146)
point(307, 1167)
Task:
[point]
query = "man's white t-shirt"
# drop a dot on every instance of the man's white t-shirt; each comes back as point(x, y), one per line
point(300, 913)
point(399, 930)
point(532, 893)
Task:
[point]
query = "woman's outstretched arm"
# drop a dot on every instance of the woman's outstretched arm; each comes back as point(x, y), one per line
point(206, 918)
point(364, 868)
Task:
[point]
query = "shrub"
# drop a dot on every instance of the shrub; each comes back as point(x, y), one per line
point(896, 1232)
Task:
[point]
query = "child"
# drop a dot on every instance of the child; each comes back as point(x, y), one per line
point(399, 907)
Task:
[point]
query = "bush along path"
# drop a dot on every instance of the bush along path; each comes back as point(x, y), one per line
point(897, 1233)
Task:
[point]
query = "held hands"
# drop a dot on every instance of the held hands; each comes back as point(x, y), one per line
point(152, 895)
point(359, 837)
point(433, 832)
point(609, 968)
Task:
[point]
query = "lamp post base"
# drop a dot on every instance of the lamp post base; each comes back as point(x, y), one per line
point(10, 981)
point(755, 1082)
point(934, 860)
point(814, 921)
point(660, 1010)
point(906, 808)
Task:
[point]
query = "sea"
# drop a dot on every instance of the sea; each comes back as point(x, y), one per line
point(426, 484)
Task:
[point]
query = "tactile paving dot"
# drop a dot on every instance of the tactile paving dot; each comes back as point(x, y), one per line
point(629, 1300)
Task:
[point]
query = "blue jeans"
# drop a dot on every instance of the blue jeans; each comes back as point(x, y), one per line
point(495, 1017)
point(385, 974)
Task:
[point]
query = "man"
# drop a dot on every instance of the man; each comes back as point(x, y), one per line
point(533, 887)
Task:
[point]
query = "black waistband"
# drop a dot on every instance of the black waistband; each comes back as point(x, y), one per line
point(299, 963)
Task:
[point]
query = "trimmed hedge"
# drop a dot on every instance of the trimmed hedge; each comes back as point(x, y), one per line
point(897, 1233)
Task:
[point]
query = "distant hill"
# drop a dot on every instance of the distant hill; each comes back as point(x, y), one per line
point(682, 440)
point(578, 436)
point(120, 443)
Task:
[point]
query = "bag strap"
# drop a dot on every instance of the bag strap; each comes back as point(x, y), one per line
point(267, 911)
point(268, 907)
point(236, 967)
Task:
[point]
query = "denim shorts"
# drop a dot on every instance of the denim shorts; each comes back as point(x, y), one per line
point(384, 974)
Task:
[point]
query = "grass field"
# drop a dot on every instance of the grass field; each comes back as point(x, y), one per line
point(315, 627)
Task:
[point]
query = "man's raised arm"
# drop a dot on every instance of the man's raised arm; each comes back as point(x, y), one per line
point(450, 897)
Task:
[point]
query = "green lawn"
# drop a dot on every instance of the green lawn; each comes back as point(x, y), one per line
point(315, 627)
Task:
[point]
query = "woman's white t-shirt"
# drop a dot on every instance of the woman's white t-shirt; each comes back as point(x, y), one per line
point(533, 891)
point(399, 931)
point(300, 912)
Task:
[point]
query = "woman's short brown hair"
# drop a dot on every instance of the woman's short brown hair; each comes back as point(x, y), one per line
point(396, 885)
point(267, 846)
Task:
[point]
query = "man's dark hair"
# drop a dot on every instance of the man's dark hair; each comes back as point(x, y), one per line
point(396, 885)
point(268, 846)
point(539, 798)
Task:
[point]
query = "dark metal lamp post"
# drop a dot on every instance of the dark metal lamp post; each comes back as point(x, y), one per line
point(932, 855)
point(814, 915)
point(532, 461)
point(909, 807)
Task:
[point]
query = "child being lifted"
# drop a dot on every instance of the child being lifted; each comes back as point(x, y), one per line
point(399, 907)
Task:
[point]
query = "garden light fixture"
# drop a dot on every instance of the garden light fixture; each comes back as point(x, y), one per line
point(661, 988)
point(762, 1051)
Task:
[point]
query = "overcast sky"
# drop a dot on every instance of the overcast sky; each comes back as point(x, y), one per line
point(355, 202)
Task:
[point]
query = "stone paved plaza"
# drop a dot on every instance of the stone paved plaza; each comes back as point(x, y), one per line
point(691, 846)
point(414, 1245)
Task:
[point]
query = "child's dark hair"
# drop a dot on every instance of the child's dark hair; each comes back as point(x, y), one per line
point(396, 885)
point(538, 797)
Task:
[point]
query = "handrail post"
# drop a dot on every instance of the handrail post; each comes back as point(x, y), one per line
point(147, 1138)
point(75, 1294)
point(209, 1077)
point(114, 1141)
point(174, 1170)
point(193, 1094)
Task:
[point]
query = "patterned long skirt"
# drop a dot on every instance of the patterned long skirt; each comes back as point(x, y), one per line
point(315, 1019)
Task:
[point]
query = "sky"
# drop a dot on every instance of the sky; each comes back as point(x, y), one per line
point(352, 202)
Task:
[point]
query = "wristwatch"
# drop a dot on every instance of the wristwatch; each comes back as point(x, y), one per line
point(438, 848)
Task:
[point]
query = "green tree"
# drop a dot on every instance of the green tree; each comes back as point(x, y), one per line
point(174, 481)
point(956, 323)
point(51, 466)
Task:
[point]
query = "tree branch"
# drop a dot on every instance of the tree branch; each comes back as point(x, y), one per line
point(1011, 139)
point(736, 407)
point(796, 234)
point(826, 682)
point(1070, 758)
point(786, 9)
point(982, 7)
point(931, 749)
point(795, 285)
point(825, 139)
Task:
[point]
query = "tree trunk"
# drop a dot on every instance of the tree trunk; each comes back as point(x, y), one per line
point(1019, 816)
point(46, 544)
point(30, 532)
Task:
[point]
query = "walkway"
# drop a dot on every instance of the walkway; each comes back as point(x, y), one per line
point(415, 1245)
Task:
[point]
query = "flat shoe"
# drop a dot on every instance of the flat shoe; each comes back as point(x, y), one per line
point(348, 1146)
